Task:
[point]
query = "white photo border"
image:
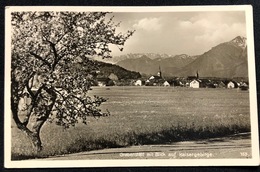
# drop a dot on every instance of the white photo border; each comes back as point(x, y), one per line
point(38, 163)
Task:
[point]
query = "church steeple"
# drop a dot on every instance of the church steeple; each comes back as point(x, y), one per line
point(197, 75)
point(159, 72)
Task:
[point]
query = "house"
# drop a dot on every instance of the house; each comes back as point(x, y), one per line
point(195, 83)
point(113, 77)
point(206, 83)
point(166, 84)
point(102, 82)
point(151, 78)
point(221, 84)
point(155, 81)
point(154, 77)
point(244, 86)
point(232, 84)
point(139, 82)
point(175, 83)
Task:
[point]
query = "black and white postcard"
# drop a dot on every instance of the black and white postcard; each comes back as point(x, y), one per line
point(130, 86)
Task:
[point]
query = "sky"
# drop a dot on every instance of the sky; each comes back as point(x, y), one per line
point(173, 33)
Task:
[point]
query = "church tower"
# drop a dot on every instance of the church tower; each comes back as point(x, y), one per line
point(197, 75)
point(159, 72)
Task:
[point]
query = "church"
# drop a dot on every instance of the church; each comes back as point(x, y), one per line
point(155, 80)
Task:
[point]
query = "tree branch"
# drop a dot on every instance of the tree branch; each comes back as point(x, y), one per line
point(28, 114)
point(57, 61)
point(57, 58)
point(65, 100)
point(34, 97)
point(14, 108)
point(33, 104)
point(40, 58)
point(40, 121)
point(61, 37)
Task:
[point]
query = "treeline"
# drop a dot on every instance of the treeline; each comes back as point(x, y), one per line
point(106, 69)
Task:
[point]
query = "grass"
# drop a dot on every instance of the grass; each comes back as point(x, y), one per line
point(146, 115)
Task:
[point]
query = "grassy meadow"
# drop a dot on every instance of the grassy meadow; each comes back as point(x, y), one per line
point(145, 115)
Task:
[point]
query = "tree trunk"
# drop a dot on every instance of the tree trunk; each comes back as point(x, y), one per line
point(35, 135)
point(36, 140)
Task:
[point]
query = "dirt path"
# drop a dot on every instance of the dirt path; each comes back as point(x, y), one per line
point(236, 146)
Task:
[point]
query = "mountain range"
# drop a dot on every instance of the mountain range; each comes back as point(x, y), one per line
point(228, 59)
point(152, 56)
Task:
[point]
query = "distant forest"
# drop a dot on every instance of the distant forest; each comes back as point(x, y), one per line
point(106, 69)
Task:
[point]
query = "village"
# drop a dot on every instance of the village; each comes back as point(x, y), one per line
point(191, 81)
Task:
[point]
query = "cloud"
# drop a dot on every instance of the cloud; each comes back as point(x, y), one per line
point(208, 31)
point(223, 32)
point(185, 24)
point(214, 32)
point(148, 24)
point(173, 33)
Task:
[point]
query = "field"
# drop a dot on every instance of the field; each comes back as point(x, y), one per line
point(146, 115)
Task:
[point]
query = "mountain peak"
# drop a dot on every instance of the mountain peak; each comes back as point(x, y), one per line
point(239, 41)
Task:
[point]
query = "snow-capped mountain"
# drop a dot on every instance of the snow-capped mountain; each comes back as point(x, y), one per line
point(240, 41)
point(228, 59)
point(149, 65)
